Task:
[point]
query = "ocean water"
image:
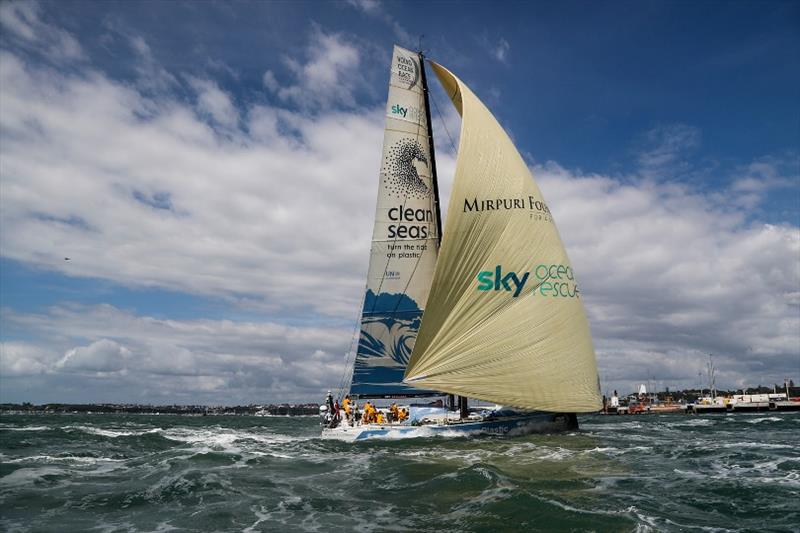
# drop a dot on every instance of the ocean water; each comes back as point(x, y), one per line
point(170, 473)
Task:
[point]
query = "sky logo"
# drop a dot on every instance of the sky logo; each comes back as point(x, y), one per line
point(508, 282)
point(409, 113)
point(550, 280)
point(399, 110)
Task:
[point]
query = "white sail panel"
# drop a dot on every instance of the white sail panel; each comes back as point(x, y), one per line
point(505, 322)
point(404, 240)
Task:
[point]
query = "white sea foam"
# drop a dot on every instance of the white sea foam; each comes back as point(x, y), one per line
point(111, 433)
point(617, 451)
point(756, 445)
point(692, 422)
point(25, 428)
point(224, 437)
point(689, 474)
point(261, 516)
point(603, 427)
point(62, 459)
point(764, 419)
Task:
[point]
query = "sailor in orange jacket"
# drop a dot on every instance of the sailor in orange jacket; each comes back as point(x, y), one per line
point(369, 412)
point(346, 405)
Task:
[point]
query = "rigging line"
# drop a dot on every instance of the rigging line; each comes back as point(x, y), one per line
point(405, 289)
point(356, 334)
point(441, 118)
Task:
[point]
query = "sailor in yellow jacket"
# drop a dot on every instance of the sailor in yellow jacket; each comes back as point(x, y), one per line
point(346, 405)
point(365, 417)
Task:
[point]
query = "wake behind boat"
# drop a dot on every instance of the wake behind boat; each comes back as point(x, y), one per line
point(488, 309)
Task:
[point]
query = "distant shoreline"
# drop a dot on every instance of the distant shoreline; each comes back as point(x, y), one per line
point(307, 409)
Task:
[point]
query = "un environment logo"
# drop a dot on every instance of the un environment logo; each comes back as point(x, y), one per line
point(400, 173)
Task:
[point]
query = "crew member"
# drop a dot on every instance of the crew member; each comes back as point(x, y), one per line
point(329, 402)
point(346, 405)
point(336, 414)
point(368, 413)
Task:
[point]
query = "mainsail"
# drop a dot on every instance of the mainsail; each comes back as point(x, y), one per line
point(504, 322)
point(404, 241)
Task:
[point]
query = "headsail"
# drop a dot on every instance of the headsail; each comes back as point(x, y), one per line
point(505, 322)
point(404, 241)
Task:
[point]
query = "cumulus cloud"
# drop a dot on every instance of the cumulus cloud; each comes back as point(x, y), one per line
point(664, 150)
point(496, 48)
point(145, 191)
point(501, 51)
point(374, 9)
point(100, 356)
point(23, 22)
point(215, 103)
point(669, 275)
point(152, 76)
point(367, 6)
point(270, 82)
point(22, 359)
point(328, 77)
point(754, 182)
point(150, 359)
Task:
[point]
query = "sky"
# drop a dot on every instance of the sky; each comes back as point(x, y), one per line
point(210, 170)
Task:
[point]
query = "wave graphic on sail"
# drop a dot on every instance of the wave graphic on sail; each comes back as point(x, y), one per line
point(388, 331)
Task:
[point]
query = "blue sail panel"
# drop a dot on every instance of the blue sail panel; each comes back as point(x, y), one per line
point(389, 325)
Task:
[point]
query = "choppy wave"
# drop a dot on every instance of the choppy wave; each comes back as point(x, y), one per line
point(647, 473)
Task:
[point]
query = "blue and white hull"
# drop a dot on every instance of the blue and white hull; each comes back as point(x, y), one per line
point(511, 425)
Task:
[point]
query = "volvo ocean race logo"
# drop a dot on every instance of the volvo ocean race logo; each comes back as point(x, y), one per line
point(407, 70)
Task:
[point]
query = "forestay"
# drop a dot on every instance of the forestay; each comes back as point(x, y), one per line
point(505, 322)
point(404, 240)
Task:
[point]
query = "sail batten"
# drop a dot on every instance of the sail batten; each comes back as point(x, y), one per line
point(504, 321)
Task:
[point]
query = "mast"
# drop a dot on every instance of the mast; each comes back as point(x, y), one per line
point(462, 400)
point(434, 176)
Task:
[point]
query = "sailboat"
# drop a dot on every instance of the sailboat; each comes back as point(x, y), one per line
point(487, 310)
